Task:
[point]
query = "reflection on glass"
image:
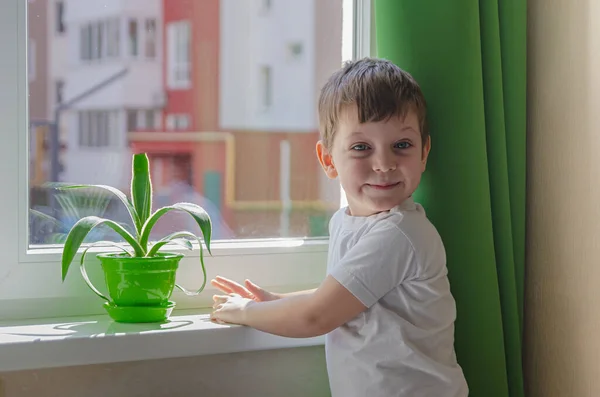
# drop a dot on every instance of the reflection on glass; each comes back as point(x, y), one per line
point(221, 94)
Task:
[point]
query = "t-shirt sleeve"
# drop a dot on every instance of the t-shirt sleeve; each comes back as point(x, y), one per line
point(377, 263)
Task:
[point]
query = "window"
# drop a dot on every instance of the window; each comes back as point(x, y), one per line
point(60, 17)
point(113, 33)
point(266, 87)
point(96, 128)
point(85, 42)
point(99, 40)
point(237, 150)
point(150, 38)
point(133, 37)
point(179, 61)
point(177, 122)
point(59, 89)
point(143, 119)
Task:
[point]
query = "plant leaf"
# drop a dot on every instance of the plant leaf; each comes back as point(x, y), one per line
point(111, 243)
point(173, 238)
point(45, 217)
point(141, 187)
point(124, 199)
point(86, 279)
point(198, 213)
point(81, 229)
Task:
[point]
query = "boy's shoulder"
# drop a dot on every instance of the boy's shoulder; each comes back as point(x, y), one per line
point(408, 220)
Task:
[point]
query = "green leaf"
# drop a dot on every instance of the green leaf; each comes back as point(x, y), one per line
point(111, 243)
point(84, 273)
point(141, 187)
point(81, 229)
point(197, 212)
point(45, 217)
point(124, 199)
point(173, 238)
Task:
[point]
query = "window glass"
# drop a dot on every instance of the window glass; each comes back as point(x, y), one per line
point(223, 100)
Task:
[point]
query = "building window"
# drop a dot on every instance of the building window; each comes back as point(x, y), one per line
point(133, 37)
point(59, 89)
point(150, 38)
point(266, 87)
point(100, 40)
point(97, 128)
point(179, 58)
point(113, 32)
point(177, 122)
point(85, 35)
point(143, 119)
point(132, 120)
point(60, 17)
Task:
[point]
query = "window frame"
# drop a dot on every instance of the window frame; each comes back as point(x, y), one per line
point(175, 43)
point(30, 281)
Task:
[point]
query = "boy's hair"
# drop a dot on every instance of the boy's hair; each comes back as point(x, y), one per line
point(379, 89)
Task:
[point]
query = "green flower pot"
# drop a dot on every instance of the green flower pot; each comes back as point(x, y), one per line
point(136, 283)
point(141, 280)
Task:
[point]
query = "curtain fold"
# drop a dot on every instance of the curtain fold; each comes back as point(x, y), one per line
point(470, 59)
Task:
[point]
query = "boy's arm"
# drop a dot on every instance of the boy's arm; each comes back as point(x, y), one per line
point(295, 293)
point(303, 315)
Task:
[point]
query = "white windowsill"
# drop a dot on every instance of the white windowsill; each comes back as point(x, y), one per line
point(70, 341)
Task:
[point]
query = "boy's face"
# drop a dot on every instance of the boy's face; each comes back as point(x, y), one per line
point(379, 163)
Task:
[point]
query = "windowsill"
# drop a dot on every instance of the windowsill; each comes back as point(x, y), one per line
point(71, 341)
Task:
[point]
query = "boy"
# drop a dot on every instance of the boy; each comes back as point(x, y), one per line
point(385, 304)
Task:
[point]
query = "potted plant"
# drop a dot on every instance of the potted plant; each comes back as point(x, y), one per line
point(140, 279)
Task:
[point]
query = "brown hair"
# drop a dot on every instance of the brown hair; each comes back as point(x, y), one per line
point(378, 88)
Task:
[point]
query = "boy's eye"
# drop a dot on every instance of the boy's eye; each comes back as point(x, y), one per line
point(360, 147)
point(403, 145)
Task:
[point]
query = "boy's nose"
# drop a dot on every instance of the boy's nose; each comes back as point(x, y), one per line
point(384, 163)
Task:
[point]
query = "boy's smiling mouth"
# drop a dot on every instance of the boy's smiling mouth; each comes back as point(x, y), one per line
point(383, 186)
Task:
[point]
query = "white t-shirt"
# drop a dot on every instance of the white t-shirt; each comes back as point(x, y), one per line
point(403, 344)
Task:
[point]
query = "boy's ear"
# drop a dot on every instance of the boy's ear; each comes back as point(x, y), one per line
point(426, 150)
point(326, 160)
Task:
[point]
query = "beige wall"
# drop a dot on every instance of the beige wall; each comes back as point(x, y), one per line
point(291, 373)
point(562, 338)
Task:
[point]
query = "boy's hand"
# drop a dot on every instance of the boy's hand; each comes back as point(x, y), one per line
point(249, 291)
point(229, 309)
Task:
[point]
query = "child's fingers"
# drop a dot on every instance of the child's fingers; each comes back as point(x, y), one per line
point(220, 298)
point(255, 290)
point(252, 287)
point(221, 286)
point(233, 287)
point(229, 284)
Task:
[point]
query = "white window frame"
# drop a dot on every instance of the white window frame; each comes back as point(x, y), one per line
point(31, 61)
point(30, 281)
point(174, 65)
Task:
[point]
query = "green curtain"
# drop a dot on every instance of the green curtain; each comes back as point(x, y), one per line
point(470, 59)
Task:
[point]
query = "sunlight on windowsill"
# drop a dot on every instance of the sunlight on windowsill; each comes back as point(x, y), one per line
point(32, 344)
